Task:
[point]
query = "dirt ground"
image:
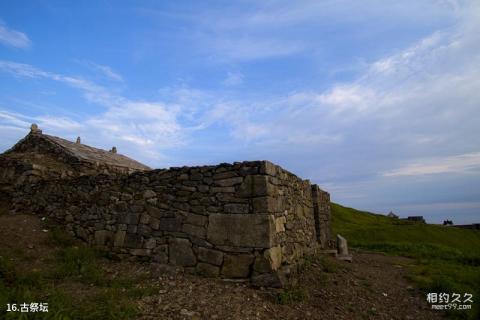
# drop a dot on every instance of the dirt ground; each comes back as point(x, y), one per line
point(372, 287)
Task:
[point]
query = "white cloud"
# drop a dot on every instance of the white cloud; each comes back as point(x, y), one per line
point(104, 70)
point(442, 206)
point(13, 38)
point(138, 124)
point(233, 79)
point(109, 73)
point(92, 91)
point(459, 164)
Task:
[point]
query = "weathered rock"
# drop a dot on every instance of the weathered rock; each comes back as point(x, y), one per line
point(133, 240)
point(267, 280)
point(150, 243)
point(170, 224)
point(181, 253)
point(274, 256)
point(256, 186)
point(147, 194)
point(229, 182)
point(237, 266)
point(236, 208)
point(119, 238)
point(195, 231)
point(241, 230)
point(280, 224)
point(160, 254)
point(207, 270)
point(210, 256)
point(100, 237)
point(140, 252)
point(342, 247)
point(196, 219)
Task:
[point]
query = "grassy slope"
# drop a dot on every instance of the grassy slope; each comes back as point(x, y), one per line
point(72, 282)
point(448, 259)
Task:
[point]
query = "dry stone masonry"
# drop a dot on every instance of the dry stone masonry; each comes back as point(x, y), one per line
point(247, 220)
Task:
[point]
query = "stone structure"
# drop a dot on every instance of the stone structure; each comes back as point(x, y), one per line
point(342, 246)
point(392, 215)
point(248, 220)
point(419, 219)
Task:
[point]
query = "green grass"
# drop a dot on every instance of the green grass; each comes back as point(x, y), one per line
point(291, 295)
point(447, 258)
point(73, 284)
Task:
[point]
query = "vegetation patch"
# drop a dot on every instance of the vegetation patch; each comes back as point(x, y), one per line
point(72, 282)
point(291, 295)
point(447, 258)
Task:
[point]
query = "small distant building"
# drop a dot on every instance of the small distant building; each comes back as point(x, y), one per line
point(392, 215)
point(447, 223)
point(416, 219)
point(473, 226)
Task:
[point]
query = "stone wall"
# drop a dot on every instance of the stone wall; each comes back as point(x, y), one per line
point(249, 220)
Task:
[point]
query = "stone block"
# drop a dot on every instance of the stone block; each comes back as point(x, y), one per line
point(210, 256)
point(136, 208)
point(181, 253)
point(154, 223)
point(144, 218)
point(237, 266)
point(256, 186)
point(229, 182)
point(224, 175)
point(266, 167)
point(207, 270)
point(160, 254)
point(196, 231)
point(267, 204)
point(274, 256)
point(132, 218)
point(236, 208)
point(121, 206)
point(222, 189)
point(241, 230)
point(100, 237)
point(261, 264)
point(132, 228)
point(140, 252)
point(203, 188)
point(154, 211)
point(133, 240)
point(119, 238)
point(269, 260)
point(152, 201)
point(149, 194)
point(196, 219)
point(280, 224)
point(269, 280)
point(170, 224)
point(150, 243)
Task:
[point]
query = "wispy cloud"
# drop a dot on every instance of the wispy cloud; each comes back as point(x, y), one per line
point(92, 91)
point(13, 38)
point(463, 163)
point(138, 123)
point(104, 70)
point(233, 79)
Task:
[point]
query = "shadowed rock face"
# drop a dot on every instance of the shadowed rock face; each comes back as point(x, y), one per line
point(247, 220)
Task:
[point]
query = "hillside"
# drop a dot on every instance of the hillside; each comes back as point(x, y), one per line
point(39, 262)
point(447, 258)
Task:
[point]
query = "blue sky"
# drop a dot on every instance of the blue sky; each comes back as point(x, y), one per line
point(376, 101)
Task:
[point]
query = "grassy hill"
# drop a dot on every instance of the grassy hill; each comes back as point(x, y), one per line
point(447, 258)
